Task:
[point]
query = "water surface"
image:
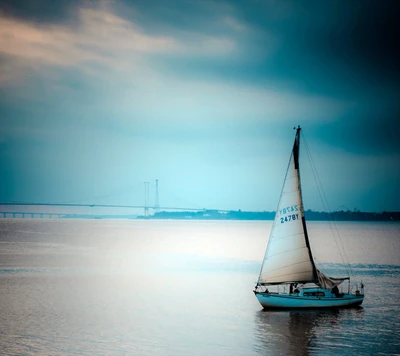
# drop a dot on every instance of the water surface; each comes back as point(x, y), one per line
point(121, 287)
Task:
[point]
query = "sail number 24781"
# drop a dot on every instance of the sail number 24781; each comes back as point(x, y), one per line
point(289, 218)
point(288, 211)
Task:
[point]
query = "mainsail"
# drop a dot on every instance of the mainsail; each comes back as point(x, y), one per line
point(288, 258)
point(329, 282)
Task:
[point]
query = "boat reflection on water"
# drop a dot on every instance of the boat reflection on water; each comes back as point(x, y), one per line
point(294, 332)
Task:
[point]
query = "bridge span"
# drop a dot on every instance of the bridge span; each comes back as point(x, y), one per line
point(52, 214)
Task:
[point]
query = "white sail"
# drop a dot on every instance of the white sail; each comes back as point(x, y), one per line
point(288, 256)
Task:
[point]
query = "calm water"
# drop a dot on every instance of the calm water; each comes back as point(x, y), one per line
point(93, 287)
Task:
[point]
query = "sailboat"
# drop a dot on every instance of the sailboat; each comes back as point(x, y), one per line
point(288, 263)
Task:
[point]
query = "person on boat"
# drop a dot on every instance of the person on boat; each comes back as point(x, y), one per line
point(335, 291)
point(295, 291)
point(291, 288)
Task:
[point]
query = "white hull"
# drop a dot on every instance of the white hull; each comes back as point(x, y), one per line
point(295, 301)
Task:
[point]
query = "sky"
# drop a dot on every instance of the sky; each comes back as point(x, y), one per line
point(97, 97)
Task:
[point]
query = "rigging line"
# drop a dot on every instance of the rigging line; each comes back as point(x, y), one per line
point(315, 174)
point(325, 204)
point(334, 229)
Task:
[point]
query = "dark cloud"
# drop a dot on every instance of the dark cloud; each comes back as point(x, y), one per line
point(364, 131)
point(344, 50)
point(169, 16)
point(323, 42)
point(43, 11)
point(321, 45)
point(330, 47)
point(361, 36)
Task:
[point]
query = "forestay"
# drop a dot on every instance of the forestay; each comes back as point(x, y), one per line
point(288, 257)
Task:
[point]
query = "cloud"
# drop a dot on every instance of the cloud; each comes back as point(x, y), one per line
point(234, 24)
point(105, 67)
point(101, 37)
point(121, 91)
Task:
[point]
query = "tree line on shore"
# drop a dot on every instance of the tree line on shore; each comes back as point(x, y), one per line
point(270, 215)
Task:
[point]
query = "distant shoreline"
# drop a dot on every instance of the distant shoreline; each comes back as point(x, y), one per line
point(218, 215)
point(270, 215)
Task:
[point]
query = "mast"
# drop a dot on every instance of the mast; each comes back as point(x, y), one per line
point(288, 257)
point(296, 154)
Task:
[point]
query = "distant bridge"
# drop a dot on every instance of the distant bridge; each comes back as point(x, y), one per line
point(31, 214)
point(99, 206)
point(24, 214)
point(146, 206)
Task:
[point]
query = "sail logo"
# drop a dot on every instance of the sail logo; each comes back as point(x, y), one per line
point(288, 210)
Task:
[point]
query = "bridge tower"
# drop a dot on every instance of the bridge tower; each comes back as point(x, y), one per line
point(157, 203)
point(146, 198)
